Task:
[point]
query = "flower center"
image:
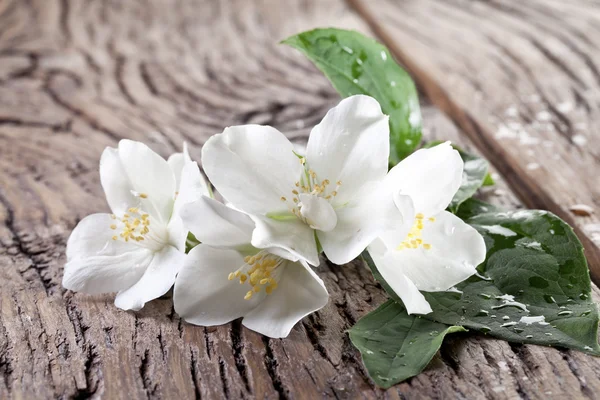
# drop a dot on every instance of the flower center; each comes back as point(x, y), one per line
point(310, 184)
point(134, 226)
point(259, 271)
point(414, 239)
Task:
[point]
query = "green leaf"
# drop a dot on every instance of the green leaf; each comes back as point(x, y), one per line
point(488, 181)
point(473, 207)
point(475, 173)
point(396, 346)
point(356, 64)
point(535, 269)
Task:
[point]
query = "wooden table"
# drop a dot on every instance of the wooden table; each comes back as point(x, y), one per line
point(517, 81)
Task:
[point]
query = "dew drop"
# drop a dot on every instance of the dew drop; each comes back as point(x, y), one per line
point(565, 313)
point(529, 336)
point(549, 299)
point(482, 313)
point(548, 334)
point(506, 325)
point(518, 330)
point(485, 296)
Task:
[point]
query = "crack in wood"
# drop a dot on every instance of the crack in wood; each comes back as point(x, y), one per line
point(272, 364)
point(237, 344)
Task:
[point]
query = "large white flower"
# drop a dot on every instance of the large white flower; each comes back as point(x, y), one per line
point(225, 277)
point(434, 250)
point(138, 249)
point(334, 193)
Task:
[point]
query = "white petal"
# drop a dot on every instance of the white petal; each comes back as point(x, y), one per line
point(217, 225)
point(98, 264)
point(203, 293)
point(156, 281)
point(299, 292)
point(351, 145)
point(397, 233)
point(252, 166)
point(151, 175)
point(291, 235)
point(318, 212)
point(177, 161)
point(456, 251)
point(193, 187)
point(430, 176)
point(115, 182)
point(392, 273)
point(93, 237)
point(359, 223)
point(105, 274)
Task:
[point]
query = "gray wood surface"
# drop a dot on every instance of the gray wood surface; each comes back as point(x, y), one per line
point(76, 76)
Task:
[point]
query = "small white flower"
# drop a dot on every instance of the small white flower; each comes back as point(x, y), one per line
point(225, 277)
point(334, 193)
point(138, 249)
point(434, 250)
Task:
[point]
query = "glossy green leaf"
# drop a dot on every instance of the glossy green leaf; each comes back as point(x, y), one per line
point(473, 207)
point(356, 64)
point(475, 174)
point(534, 286)
point(396, 346)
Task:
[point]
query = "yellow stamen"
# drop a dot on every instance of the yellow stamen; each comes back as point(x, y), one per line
point(258, 273)
point(414, 237)
point(143, 195)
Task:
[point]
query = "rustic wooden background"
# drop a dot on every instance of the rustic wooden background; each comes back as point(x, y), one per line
point(517, 81)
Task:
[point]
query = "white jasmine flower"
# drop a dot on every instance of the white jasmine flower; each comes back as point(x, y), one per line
point(434, 250)
point(333, 194)
point(225, 277)
point(138, 249)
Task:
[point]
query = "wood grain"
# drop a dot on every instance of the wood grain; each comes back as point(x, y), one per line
point(521, 79)
point(76, 76)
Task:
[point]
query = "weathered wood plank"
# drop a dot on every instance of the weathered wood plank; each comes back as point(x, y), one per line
point(521, 79)
point(77, 76)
